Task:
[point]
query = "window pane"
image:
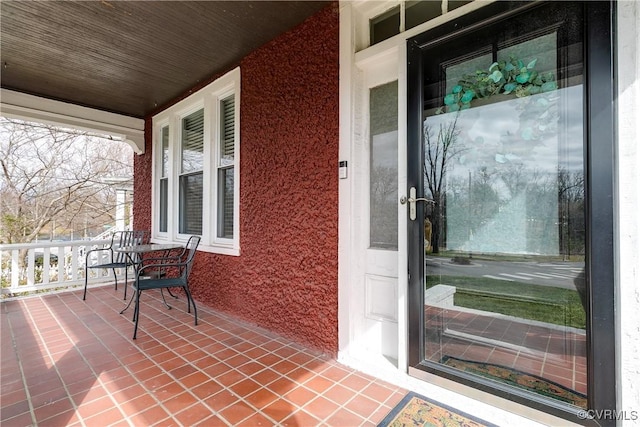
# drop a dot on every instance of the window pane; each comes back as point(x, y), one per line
point(227, 131)
point(192, 142)
point(506, 236)
point(420, 11)
point(225, 203)
point(164, 204)
point(191, 204)
point(165, 151)
point(454, 4)
point(385, 26)
point(384, 166)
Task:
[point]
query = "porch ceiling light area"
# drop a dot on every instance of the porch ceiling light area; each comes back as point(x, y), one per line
point(132, 57)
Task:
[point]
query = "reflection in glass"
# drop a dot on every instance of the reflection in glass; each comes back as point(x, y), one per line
point(384, 166)
point(505, 264)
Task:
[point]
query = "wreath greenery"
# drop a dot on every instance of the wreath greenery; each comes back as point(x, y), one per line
point(502, 77)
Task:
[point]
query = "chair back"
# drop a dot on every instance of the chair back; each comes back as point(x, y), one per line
point(190, 252)
point(129, 238)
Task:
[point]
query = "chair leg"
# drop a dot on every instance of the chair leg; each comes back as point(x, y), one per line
point(86, 279)
point(189, 302)
point(126, 281)
point(136, 314)
point(115, 277)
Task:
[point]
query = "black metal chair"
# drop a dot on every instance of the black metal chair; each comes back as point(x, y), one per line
point(164, 273)
point(114, 260)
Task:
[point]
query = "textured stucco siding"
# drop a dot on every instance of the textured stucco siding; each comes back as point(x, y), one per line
point(286, 277)
point(142, 182)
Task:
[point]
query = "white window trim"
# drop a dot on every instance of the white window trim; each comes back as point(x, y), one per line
point(207, 98)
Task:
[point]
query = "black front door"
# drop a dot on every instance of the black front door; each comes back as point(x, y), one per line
point(502, 260)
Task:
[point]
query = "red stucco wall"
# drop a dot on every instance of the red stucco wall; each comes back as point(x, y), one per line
point(142, 182)
point(286, 278)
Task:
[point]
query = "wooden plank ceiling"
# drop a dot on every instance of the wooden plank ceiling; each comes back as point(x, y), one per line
point(130, 57)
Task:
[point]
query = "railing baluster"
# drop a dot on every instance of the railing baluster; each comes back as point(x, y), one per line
point(46, 266)
point(74, 262)
point(62, 265)
point(31, 255)
point(67, 271)
point(15, 269)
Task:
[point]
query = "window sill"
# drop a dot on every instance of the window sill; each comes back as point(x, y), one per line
point(222, 250)
point(214, 249)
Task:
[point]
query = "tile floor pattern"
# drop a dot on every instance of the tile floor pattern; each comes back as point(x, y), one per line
point(71, 362)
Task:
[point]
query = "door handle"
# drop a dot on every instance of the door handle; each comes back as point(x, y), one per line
point(412, 202)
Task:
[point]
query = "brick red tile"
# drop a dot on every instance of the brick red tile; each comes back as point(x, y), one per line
point(230, 377)
point(300, 395)
point(53, 408)
point(178, 402)
point(319, 384)
point(300, 418)
point(265, 376)
point(150, 416)
point(321, 407)
point(89, 409)
point(23, 419)
point(194, 379)
point(206, 389)
point(344, 417)
point(279, 410)
point(106, 418)
point(362, 406)
point(211, 421)
point(261, 398)
point(245, 387)
point(221, 400)
point(255, 420)
point(237, 412)
point(14, 409)
point(339, 394)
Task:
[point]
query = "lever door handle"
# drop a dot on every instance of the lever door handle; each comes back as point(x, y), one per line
point(412, 199)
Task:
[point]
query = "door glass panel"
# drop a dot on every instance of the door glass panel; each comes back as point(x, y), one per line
point(384, 166)
point(505, 234)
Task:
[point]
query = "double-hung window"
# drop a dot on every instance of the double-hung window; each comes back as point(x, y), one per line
point(196, 168)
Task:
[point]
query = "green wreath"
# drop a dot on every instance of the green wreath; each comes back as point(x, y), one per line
point(503, 77)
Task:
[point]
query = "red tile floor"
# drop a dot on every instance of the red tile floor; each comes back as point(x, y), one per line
point(71, 362)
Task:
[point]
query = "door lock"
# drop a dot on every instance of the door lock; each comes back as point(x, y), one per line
point(412, 202)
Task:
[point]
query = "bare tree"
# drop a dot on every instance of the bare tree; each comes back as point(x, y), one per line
point(50, 175)
point(384, 190)
point(439, 150)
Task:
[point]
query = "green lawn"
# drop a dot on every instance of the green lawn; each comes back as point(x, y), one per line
point(534, 302)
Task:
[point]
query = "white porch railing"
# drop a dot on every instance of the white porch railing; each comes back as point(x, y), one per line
point(31, 267)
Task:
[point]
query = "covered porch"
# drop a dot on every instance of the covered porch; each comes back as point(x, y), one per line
point(71, 362)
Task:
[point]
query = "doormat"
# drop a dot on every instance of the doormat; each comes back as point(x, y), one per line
point(519, 379)
point(417, 410)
